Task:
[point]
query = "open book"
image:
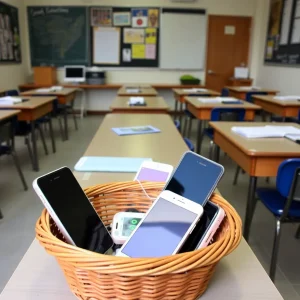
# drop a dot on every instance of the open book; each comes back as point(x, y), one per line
point(268, 131)
point(8, 100)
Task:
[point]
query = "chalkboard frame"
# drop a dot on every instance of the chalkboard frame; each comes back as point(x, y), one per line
point(49, 61)
point(16, 39)
point(137, 63)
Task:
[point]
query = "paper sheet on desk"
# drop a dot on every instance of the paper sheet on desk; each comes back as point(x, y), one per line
point(8, 100)
point(249, 88)
point(218, 99)
point(287, 98)
point(268, 131)
point(195, 90)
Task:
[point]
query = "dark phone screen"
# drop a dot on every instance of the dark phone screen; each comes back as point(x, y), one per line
point(194, 178)
point(209, 214)
point(74, 210)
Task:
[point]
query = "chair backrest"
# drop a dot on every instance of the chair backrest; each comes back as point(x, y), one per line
point(225, 92)
point(250, 94)
point(189, 144)
point(285, 176)
point(227, 114)
point(177, 124)
point(12, 93)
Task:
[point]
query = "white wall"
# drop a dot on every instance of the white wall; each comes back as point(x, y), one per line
point(220, 7)
point(11, 74)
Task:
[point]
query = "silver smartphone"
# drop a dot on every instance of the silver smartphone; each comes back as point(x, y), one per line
point(72, 211)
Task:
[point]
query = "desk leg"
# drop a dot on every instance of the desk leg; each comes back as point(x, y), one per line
point(175, 109)
point(250, 206)
point(35, 154)
point(217, 153)
point(180, 115)
point(199, 132)
point(66, 123)
point(51, 134)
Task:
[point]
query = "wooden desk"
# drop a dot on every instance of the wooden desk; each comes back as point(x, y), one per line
point(8, 114)
point(143, 91)
point(258, 157)
point(240, 93)
point(32, 110)
point(238, 276)
point(202, 111)
point(180, 94)
point(64, 96)
point(284, 108)
point(155, 105)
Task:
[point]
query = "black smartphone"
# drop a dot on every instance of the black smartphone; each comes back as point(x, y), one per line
point(72, 211)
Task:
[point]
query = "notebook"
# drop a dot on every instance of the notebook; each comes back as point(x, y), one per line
point(287, 98)
point(109, 164)
point(8, 100)
point(135, 130)
point(268, 131)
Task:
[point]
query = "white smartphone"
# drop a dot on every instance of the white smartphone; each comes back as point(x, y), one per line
point(123, 225)
point(205, 229)
point(165, 227)
point(154, 171)
point(72, 211)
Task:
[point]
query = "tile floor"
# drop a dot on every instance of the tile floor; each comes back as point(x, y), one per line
point(21, 209)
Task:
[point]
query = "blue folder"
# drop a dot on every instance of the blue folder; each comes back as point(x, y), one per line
point(109, 164)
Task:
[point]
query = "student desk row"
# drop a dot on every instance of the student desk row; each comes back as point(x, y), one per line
point(238, 276)
point(257, 157)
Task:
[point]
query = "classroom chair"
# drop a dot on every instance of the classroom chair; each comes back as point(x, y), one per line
point(253, 93)
point(188, 142)
point(221, 114)
point(225, 92)
point(12, 93)
point(7, 147)
point(283, 202)
point(189, 117)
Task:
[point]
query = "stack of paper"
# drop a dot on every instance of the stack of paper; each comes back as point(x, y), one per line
point(265, 131)
point(249, 88)
point(8, 100)
point(287, 98)
point(51, 89)
point(136, 100)
point(44, 90)
point(218, 100)
point(195, 90)
point(135, 130)
point(56, 88)
point(133, 91)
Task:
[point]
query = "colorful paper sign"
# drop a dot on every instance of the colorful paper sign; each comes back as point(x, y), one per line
point(150, 35)
point(150, 51)
point(138, 51)
point(139, 17)
point(153, 17)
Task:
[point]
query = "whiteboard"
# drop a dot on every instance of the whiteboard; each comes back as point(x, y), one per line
point(106, 45)
point(183, 40)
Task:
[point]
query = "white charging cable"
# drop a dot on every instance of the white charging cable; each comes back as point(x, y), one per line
point(145, 192)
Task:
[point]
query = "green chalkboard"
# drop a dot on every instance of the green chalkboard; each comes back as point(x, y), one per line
point(58, 35)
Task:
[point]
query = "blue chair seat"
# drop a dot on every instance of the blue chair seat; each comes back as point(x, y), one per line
point(209, 132)
point(274, 202)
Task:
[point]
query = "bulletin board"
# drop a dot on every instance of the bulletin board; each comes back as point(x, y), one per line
point(125, 37)
point(10, 47)
point(283, 36)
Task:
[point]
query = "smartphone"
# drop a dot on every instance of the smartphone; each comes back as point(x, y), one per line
point(195, 178)
point(154, 171)
point(164, 228)
point(123, 225)
point(72, 211)
point(205, 229)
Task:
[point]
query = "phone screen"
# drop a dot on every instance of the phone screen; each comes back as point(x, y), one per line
point(74, 210)
point(129, 225)
point(159, 234)
point(152, 175)
point(194, 178)
point(208, 216)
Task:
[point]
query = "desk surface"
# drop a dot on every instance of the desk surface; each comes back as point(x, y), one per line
point(152, 104)
point(32, 103)
point(198, 104)
point(240, 89)
point(6, 114)
point(238, 276)
point(144, 91)
point(271, 99)
point(166, 146)
point(184, 92)
point(258, 147)
point(63, 92)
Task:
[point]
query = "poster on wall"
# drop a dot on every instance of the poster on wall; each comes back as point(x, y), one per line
point(283, 36)
point(10, 46)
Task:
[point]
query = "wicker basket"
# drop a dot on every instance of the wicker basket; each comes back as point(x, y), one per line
point(94, 276)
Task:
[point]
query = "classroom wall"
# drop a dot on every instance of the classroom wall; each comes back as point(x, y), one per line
point(11, 74)
point(220, 7)
point(284, 79)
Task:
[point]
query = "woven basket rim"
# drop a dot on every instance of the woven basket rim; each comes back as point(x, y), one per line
point(109, 264)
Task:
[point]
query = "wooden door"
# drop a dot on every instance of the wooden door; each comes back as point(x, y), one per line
point(227, 48)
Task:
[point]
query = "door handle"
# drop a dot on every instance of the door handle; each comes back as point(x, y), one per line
point(210, 72)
